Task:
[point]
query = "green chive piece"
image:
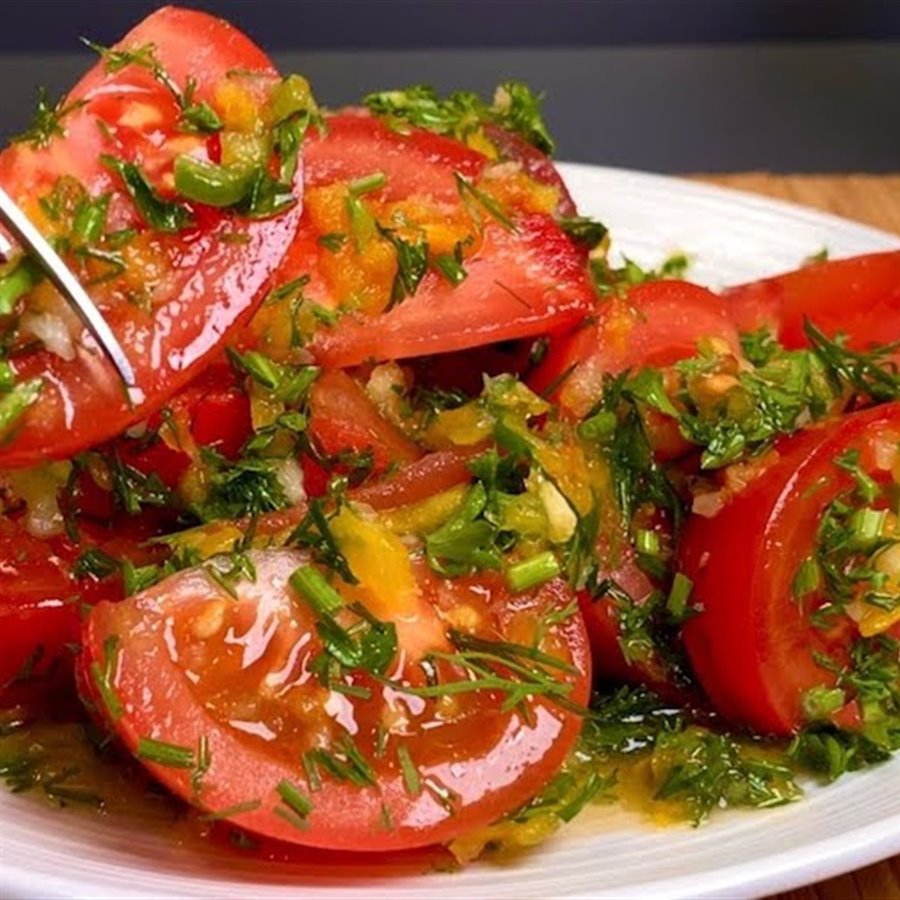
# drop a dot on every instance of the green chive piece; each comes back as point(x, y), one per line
point(15, 403)
point(231, 811)
point(212, 184)
point(165, 754)
point(866, 527)
point(367, 184)
point(679, 594)
point(293, 797)
point(648, 542)
point(808, 578)
point(533, 571)
point(820, 702)
point(311, 584)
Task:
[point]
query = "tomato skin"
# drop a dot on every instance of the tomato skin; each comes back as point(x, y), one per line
point(519, 284)
point(489, 775)
point(213, 285)
point(432, 474)
point(342, 417)
point(656, 324)
point(752, 647)
point(859, 297)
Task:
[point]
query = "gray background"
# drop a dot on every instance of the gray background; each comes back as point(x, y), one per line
point(666, 85)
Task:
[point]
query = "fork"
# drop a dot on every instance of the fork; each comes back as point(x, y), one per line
point(62, 278)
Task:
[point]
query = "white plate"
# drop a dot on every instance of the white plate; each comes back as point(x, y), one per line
point(732, 237)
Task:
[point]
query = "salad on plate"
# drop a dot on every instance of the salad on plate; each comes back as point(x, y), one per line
point(431, 522)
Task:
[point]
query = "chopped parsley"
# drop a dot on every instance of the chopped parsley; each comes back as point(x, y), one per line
point(463, 113)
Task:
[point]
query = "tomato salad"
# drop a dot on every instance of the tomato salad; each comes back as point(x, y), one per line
point(428, 523)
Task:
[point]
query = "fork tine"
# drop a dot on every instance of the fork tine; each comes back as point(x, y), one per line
point(30, 239)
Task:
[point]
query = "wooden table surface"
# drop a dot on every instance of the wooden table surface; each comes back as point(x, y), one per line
point(874, 200)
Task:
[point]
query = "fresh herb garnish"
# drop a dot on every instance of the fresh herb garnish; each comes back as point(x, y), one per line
point(48, 120)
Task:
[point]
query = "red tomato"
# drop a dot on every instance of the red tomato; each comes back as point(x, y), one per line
point(520, 283)
point(343, 418)
point(213, 410)
point(175, 677)
point(432, 474)
point(41, 600)
point(859, 297)
point(200, 285)
point(753, 646)
point(657, 324)
point(417, 163)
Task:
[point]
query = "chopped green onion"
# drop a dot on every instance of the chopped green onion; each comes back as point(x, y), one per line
point(211, 184)
point(367, 184)
point(7, 377)
point(290, 97)
point(294, 798)
point(165, 754)
point(866, 527)
point(820, 702)
point(598, 427)
point(808, 578)
point(16, 281)
point(311, 584)
point(679, 594)
point(231, 811)
point(450, 265)
point(14, 403)
point(533, 571)
point(647, 542)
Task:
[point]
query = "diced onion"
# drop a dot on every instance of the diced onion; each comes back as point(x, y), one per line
point(708, 504)
point(52, 331)
point(290, 477)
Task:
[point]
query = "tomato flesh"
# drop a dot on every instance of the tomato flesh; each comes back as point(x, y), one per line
point(753, 647)
point(199, 283)
point(192, 662)
point(858, 297)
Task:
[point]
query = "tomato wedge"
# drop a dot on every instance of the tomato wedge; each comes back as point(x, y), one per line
point(858, 297)
point(656, 324)
point(343, 418)
point(520, 283)
point(172, 291)
point(754, 646)
point(41, 598)
point(221, 699)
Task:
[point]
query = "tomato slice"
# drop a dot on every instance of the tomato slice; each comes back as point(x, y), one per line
point(41, 600)
point(343, 418)
point(754, 646)
point(384, 769)
point(656, 324)
point(180, 294)
point(858, 297)
point(520, 283)
point(414, 163)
